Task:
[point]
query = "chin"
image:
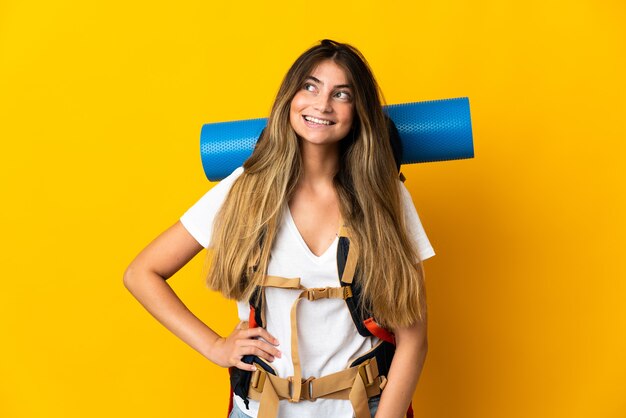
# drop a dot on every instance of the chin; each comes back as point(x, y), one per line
point(320, 141)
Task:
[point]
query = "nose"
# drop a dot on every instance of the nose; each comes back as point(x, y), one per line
point(323, 103)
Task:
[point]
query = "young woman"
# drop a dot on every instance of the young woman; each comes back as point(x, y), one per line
point(318, 238)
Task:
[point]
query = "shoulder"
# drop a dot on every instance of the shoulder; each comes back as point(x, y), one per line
point(413, 224)
point(228, 181)
point(405, 197)
point(198, 219)
point(403, 190)
point(221, 189)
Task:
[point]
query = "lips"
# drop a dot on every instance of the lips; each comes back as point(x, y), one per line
point(311, 120)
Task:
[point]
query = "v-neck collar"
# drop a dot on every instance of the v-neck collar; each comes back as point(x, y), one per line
point(332, 248)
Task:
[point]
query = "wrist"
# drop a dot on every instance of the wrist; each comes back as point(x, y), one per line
point(212, 351)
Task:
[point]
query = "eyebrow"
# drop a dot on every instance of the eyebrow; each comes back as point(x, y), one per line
point(338, 86)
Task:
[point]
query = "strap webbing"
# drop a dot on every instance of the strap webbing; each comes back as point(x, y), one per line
point(312, 295)
point(356, 384)
point(282, 282)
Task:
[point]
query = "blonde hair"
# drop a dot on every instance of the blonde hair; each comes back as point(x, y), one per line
point(369, 198)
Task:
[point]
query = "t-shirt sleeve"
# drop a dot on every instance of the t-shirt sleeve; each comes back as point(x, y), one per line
point(414, 226)
point(198, 219)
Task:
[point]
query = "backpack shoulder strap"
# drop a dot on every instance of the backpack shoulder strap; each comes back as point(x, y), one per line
point(347, 260)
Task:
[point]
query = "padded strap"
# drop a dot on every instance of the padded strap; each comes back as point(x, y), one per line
point(353, 256)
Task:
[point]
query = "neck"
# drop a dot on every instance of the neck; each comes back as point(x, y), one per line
point(319, 163)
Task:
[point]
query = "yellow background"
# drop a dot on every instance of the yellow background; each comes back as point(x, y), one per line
point(100, 115)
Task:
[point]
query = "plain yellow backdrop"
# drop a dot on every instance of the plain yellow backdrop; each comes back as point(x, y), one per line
point(101, 105)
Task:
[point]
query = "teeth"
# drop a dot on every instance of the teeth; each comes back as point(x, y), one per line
point(316, 120)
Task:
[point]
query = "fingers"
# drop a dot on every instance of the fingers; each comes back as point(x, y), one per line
point(262, 332)
point(245, 366)
point(259, 353)
point(250, 341)
point(258, 348)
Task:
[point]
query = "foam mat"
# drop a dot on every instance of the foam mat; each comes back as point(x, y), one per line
point(436, 130)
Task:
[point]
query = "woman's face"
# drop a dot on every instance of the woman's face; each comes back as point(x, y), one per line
point(322, 110)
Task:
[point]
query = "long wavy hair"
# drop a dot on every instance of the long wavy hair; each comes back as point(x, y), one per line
point(389, 270)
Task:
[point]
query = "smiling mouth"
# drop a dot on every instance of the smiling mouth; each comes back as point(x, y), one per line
point(317, 121)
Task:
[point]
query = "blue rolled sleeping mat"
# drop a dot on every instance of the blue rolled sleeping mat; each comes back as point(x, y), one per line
point(436, 130)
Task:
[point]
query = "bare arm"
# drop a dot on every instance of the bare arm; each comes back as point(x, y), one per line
point(406, 368)
point(146, 277)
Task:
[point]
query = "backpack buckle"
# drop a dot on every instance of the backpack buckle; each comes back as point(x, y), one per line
point(290, 389)
point(365, 371)
point(317, 293)
point(258, 380)
point(307, 389)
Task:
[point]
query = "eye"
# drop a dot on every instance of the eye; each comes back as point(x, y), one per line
point(308, 87)
point(343, 95)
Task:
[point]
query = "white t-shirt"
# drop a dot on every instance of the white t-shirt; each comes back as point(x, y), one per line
point(327, 337)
